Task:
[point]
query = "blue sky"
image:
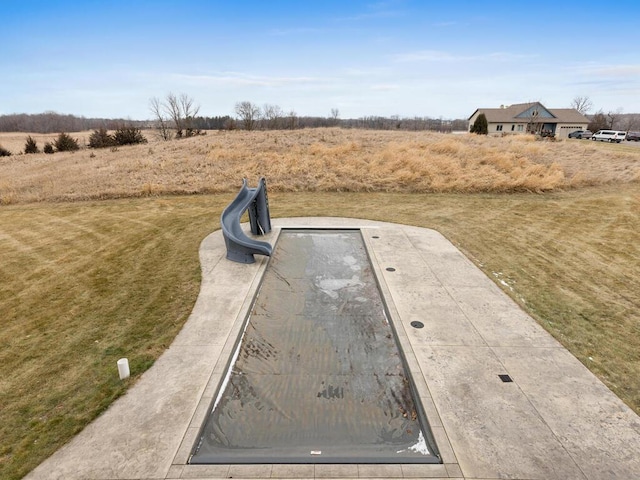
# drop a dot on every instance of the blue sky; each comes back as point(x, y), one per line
point(396, 57)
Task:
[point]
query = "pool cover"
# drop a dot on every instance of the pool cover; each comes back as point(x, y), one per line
point(318, 376)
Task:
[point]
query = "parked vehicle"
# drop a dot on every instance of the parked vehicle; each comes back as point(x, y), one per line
point(609, 136)
point(635, 136)
point(580, 134)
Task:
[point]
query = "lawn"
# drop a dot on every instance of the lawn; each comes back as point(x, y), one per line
point(87, 282)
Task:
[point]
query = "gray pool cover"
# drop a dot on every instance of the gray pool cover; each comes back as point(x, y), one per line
point(318, 376)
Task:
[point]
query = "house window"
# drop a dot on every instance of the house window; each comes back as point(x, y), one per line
point(498, 128)
point(513, 127)
point(520, 128)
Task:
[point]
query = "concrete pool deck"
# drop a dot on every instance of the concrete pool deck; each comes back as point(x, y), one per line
point(555, 420)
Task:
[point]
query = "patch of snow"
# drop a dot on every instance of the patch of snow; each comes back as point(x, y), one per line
point(331, 286)
point(419, 447)
point(349, 260)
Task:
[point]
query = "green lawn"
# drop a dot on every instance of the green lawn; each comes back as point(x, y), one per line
point(84, 284)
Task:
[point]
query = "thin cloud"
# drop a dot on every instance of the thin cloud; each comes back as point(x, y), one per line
point(442, 56)
point(385, 87)
point(613, 70)
point(366, 72)
point(243, 79)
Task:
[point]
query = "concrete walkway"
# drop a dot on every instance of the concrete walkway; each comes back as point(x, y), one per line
point(555, 420)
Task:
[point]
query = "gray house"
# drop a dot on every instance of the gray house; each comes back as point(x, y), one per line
point(532, 118)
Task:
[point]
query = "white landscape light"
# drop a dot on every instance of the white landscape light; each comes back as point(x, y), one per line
point(123, 368)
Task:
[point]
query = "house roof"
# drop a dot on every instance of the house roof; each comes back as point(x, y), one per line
point(510, 114)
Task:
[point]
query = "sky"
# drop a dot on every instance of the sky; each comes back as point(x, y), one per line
point(364, 58)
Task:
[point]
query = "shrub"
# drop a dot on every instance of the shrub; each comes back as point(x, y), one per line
point(4, 152)
point(48, 148)
point(64, 143)
point(127, 135)
point(101, 139)
point(480, 126)
point(30, 146)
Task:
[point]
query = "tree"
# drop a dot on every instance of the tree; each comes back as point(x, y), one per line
point(632, 122)
point(64, 143)
point(183, 111)
point(48, 148)
point(582, 104)
point(160, 117)
point(230, 124)
point(480, 126)
point(128, 135)
point(31, 146)
point(101, 139)
point(335, 116)
point(272, 115)
point(598, 122)
point(292, 120)
point(177, 112)
point(613, 117)
point(248, 114)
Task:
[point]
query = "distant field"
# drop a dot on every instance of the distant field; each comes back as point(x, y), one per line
point(85, 282)
point(313, 160)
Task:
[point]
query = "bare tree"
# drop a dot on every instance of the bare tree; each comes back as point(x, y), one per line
point(175, 112)
point(598, 122)
point(182, 111)
point(613, 117)
point(582, 104)
point(272, 114)
point(248, 114)
point(189, 111)
point(292, 120)
point(632, 122)
point(160, 118)
point(335, 116)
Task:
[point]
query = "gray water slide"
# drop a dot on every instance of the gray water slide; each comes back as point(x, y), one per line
point(241, 248)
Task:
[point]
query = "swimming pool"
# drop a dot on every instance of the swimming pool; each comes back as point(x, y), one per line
point(317, 375)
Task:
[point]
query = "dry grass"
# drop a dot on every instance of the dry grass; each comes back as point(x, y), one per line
point(313, 160)
point(85, 283)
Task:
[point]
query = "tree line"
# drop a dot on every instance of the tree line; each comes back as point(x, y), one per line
point(52, 122)
point(178, 116)
point(614, 121)
point(611, 120)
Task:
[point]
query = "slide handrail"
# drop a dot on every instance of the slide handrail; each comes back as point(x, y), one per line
point(241, 248)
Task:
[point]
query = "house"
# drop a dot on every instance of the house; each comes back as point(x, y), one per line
point(532, 118)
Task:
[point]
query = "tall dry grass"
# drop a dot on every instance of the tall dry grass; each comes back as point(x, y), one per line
point(312, 160)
